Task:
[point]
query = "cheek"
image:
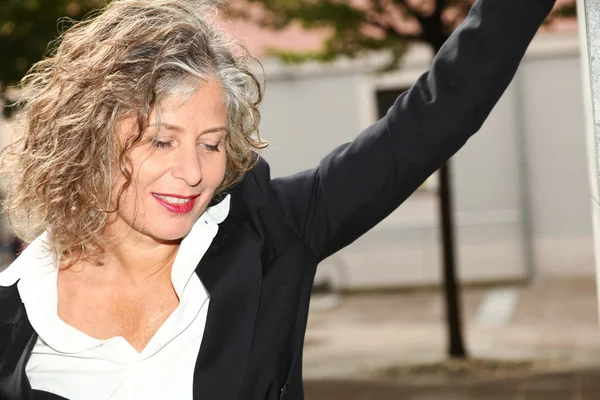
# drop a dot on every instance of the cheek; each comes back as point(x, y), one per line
point(128, 197)
point(118, 181)
point(147, 170)
point(222, 169)
point(214, 172)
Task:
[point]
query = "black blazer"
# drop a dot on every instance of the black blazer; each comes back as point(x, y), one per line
point(259, 269)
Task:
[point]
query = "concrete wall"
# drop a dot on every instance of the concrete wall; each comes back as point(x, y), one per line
point(556, 149)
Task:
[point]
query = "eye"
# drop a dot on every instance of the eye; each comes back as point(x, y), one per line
point(210, 147)
point(160, 144)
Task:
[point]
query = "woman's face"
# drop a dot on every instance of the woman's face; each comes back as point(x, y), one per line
point(176, 168)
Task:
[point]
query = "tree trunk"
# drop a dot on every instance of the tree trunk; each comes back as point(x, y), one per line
point(456, 347)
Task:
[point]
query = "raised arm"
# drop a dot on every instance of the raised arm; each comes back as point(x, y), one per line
point(360, 183)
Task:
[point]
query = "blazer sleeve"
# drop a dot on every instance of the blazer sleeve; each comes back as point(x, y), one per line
point(360, 183)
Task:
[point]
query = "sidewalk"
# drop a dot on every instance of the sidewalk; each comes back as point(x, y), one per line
point(553, 324)
point(576, 385)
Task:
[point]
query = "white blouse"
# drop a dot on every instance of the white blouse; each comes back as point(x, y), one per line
point(67, 362)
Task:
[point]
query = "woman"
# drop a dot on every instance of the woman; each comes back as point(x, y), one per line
point(170, 265)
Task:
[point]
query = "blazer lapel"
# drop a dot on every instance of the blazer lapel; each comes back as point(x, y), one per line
point(17, 339)
point(231, 272)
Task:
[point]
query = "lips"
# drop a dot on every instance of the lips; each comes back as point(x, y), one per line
point(176, 204)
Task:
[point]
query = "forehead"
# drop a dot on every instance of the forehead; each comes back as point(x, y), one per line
point(194, 107)
point(205, 104)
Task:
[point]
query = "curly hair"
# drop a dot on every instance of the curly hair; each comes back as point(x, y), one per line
point(119, 62)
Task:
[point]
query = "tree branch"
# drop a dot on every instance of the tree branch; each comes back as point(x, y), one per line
point(440, 6)
point(375, 20)
point(460, 9)
point(413, 12)
point(405, 37)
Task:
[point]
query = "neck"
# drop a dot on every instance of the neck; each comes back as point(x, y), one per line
point(139, 262)
point(132, 258)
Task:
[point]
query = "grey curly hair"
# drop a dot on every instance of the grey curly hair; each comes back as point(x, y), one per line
point(121, 61)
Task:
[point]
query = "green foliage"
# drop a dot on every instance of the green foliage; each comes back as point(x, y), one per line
point(348, 24)
point(26, 28)
point(334, 49)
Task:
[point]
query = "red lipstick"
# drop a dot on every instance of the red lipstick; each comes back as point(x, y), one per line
point(182, 208)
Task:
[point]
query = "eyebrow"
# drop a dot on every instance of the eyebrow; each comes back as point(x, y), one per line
point(178, 128)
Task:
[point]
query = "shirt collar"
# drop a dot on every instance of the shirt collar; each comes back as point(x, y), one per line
point(194, 245)
point(35, 258)
point(219, 211)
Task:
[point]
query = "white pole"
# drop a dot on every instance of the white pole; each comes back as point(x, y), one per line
point(589, 33)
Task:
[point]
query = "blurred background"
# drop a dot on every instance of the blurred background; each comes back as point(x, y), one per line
point(499, 299)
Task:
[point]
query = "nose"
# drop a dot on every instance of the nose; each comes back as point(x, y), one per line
point(187, 166)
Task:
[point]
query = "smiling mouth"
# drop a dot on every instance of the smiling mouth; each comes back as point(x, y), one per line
point(173, 199)
point(176, 204)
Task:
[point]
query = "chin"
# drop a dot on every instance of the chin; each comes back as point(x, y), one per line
point(169, 236)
